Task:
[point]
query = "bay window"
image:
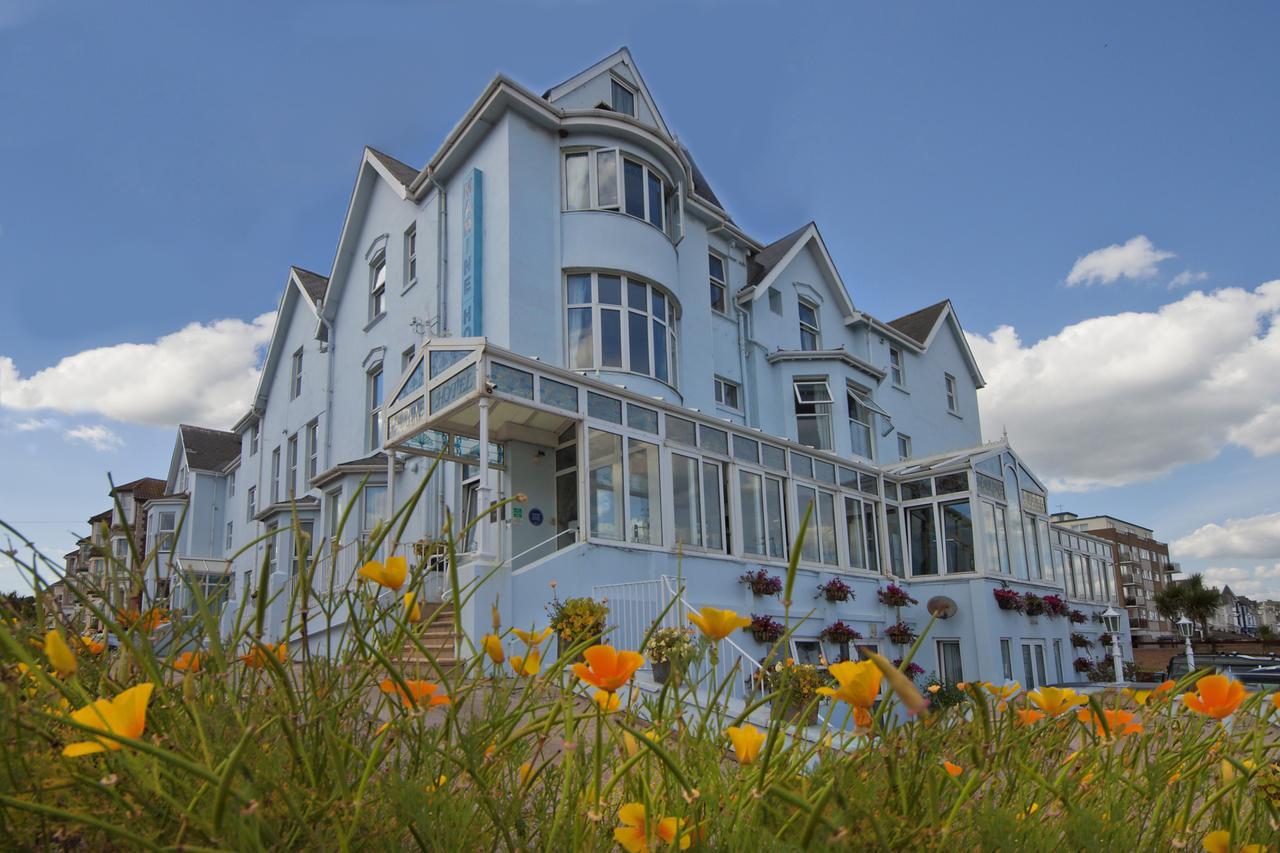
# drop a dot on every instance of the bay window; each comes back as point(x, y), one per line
point(813, 413)
point(610, 179)
point(617, 322)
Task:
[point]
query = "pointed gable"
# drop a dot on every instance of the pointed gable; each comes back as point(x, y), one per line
point(919, 325)
point(768, 264)
point(593, 89)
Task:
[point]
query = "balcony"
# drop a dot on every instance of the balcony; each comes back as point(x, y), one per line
point(1173, 568)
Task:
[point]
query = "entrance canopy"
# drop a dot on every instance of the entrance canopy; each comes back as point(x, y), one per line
point(434, 409)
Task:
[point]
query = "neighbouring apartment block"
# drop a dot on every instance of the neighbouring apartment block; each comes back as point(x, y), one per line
point(1140, 564)
point(558, 305)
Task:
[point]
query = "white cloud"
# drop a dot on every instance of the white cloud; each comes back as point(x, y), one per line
point(1256, 537)
point(1187, 277)
point(1137, 258)
point(35, 424)
point(1257, 582)
point(203, 374)
point(1128, 397)
point(97, 436)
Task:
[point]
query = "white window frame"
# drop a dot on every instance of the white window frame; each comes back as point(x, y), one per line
point(251, 501)
point(411, 256)
point(231, 483)
point(593, 157)
point(313, 450)
point(821, 400)
point(856, 405)
point(670, 324)
point(812, 535)
point(779, 480)
point(953, 397)
point(295, 375)
point(897, 368)
point(722, 387)
point(378, 286)
point(615, 85)
point(904, 446)
point(253, 439)
point(719, 286)
point(373, 407)
point(814, 329)
point(275, 475)
point(230, 529)
point(948, 677)
point(705, 522)
point(291, 466)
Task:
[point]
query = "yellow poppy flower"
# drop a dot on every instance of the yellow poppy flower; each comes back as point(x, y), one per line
point(527, 665)
point(1001, 691)
point(904, 688)
point(632, 834)
point(1144, 697)
point(532, 639)
point(718, 624)
point(1056, 701)
point(1219, 841)
point(125, 715)
point(859, 683)
point(525, 772)
point(412, 610)
point(390, 574)
point(59, 654)
point(1216, 696)
point(747, 740)
point(493, 648)
point(439, 784)
point(607, 668)
point(607, 701)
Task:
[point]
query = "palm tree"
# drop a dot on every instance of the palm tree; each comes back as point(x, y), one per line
point(1266, 636)
point(1199, 602)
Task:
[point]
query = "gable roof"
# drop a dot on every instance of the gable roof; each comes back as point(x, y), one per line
point(143, 489)
point(769, 263)
point(701, 187)
point(391, 168)
point(919, 325)
point(313, 284)
point(621, 56)
point(208, 449)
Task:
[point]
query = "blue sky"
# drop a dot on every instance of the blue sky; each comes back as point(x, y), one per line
point(163, 164)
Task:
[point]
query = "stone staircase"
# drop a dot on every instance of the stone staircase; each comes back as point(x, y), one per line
point(437, 637)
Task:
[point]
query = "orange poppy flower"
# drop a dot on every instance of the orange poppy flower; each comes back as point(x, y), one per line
point(419, 693)
point(1029, 716)
point(1118, 723)
point(952, 769)
point(189, 662)
point(1216, 696)
point(256, 657)
point(607, 668)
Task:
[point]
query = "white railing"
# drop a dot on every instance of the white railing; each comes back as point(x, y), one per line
point(634, 608)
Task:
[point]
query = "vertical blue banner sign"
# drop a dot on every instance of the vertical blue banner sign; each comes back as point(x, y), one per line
point(473, 255)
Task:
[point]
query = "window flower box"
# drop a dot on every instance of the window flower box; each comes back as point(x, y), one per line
point(762, 583)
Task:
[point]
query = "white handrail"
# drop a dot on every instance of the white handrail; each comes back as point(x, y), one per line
point(750, 666)
point(551, 538)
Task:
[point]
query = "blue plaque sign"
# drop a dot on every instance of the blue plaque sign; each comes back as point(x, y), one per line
point(473, 255)
point(535, 517)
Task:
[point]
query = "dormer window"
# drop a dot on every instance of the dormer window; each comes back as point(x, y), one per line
point(623, 98)
point(808, 325)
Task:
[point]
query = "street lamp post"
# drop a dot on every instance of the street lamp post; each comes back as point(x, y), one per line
point(1185, 627)
point(1112, 620)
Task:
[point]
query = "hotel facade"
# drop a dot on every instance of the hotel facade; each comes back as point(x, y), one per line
point(558, 306)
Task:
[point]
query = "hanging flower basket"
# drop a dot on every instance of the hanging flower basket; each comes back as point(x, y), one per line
point(1080, 641)
point(766, 629)
point(1105, 640)
point(913, 670)
point(835, 590)
point(839, 632)
point(1032, 604)
point(762, 583)
point(1077, 617)
point(893, 595)
point(1054, 606)
point(1007, 599)
point(900, 634)
point(1082, 665)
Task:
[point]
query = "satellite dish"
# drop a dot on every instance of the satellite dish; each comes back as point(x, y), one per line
point(941, 607)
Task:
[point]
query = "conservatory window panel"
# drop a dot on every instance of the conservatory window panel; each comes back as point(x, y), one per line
point(607, 179)
point(870, 526)
point(604, 484)
point(922, 538)
point(713, 502)
point(686, 487)
point(957, 533)
point(897, 558)
point(853, 528)
point(751, 497)
point(775, 523)
point(644, 493)
point(807, 497)
point(577, 182)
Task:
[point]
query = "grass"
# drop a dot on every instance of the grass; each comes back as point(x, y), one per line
point(320, 752)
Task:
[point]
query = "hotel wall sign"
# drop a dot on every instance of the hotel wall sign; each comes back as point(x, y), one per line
point(473, 255)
